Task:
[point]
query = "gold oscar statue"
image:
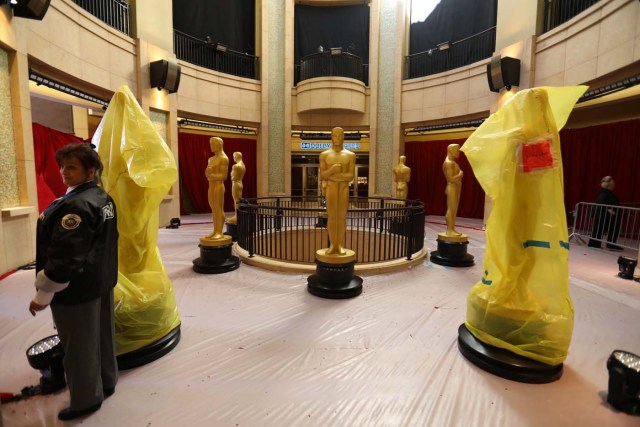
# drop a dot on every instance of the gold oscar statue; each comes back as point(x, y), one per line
point(453, 175)
point(237, 173)
point(216, 172)
point(452, 245)
point(337, 169)
point(402, 175)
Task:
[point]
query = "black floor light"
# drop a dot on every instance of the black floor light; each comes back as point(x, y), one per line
point(46, 356)
point(627, 267)
point(174, 223)
point(624, 381)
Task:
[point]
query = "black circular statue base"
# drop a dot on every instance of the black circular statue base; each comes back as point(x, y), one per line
point(215, 260)
point(452, 254)
point(232, 230)
point(334, 281)
point(150, 352)
point(504, 363)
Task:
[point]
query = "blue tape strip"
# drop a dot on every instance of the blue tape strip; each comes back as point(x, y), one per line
point(536, 243)
point(486, 282)
point(564, 244)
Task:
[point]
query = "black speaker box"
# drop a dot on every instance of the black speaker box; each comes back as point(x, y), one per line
point(165, 75)
point(31, 9)
point(503, 72)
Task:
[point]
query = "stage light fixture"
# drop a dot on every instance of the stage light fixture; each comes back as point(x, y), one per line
point(626, 266)
point(174, 223)
point(39, 79)
point(230, 128)
point(624, 381)
point(46, 356)
point(336, 51)
point(443, 46)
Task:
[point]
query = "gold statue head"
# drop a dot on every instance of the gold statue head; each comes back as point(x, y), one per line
point(337, 137)
point(403, 159)
point(215, 143)
point(237, 156)
point(453, 151)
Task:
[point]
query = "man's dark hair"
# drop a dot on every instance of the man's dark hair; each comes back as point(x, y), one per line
point(86, 155)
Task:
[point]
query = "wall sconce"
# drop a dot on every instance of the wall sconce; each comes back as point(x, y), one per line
point(443, 46)
point(503, 72)
point(220, 47)
point(336, 51)
point(164, 74)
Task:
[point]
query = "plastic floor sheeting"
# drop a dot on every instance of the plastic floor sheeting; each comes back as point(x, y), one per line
point(258, 350)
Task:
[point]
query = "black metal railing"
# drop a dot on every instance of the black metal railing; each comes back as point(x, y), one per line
point(327, 64)
point(557, 12)
point(449, 56)
point(215, 56)
point(293, 228)
point(114, 13)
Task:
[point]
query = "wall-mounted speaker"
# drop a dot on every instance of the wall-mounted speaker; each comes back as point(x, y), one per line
point(165, 75)
point(503, 72)
point(31, 9)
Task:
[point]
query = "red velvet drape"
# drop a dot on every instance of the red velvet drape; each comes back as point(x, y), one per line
point(428, 183)
point(194, 151)
point(46, 142)
point(588, 154)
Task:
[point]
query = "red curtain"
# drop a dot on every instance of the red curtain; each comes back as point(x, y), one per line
point(428, 183)
point(193, 151)
point(588, 154)
point(46, 142)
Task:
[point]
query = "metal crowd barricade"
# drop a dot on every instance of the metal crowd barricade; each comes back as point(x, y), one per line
point(596, 224)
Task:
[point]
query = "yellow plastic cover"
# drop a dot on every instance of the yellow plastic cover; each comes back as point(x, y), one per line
point(139, 169)
point(522, 302)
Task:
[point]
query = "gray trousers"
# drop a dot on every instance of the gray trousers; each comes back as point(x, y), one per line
point(87, 334)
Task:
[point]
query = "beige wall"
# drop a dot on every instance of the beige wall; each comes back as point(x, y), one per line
point(153, 22)
point(74, 42)
point(602, 39)
point(229, 99)
point(457, 93)
point(517, 20)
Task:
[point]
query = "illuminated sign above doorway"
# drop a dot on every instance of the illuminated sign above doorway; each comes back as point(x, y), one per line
point(327, 145)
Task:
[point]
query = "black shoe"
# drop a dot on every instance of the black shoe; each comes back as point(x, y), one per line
point(69, 414)
point(108, 391)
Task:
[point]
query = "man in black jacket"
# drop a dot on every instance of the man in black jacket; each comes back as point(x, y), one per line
point(76, 271)
point(606, 218)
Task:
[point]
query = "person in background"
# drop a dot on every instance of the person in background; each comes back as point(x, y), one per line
point(606, 218)
point(76, 271)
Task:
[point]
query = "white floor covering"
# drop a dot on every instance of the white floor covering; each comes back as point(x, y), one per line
point(258, 350)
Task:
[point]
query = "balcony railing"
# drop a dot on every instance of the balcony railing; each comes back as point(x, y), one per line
point(557, 12)
point(448, 56)
point(215, 56)
point(114, 13)
point(327, 64)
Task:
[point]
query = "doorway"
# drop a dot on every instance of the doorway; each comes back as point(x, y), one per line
point(305, 176)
